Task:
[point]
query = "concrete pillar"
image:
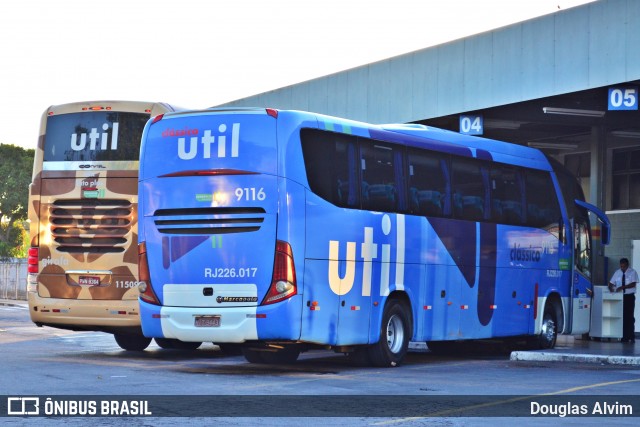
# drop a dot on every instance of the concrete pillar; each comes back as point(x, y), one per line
point(597, 195)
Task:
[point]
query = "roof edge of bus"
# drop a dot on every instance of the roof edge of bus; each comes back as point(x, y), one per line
point(454, 139)
point(218, 110)
point(69, 106)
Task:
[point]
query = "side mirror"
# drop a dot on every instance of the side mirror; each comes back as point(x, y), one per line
point(605, 224)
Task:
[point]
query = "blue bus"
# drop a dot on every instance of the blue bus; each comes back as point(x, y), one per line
point(281, 231)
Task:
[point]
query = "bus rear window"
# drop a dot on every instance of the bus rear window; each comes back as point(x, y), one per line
point(330, 161)
point(94, 136)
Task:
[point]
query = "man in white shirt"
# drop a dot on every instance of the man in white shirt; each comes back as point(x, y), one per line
point(624, 280)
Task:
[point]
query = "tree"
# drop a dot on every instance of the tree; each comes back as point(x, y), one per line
point(16, 164)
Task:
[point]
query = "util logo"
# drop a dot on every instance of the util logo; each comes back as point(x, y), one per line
point(207, 139)
point(369, 253)
point(94, 137)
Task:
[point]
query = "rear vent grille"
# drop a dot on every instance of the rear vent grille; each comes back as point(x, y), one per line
point(209, 220)
point(91, 225)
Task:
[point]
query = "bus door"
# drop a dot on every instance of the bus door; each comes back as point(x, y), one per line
point(581, 286)
point(581, 274)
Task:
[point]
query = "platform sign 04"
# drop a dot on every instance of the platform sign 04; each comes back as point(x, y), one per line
point(471, 125)
point(623, 98)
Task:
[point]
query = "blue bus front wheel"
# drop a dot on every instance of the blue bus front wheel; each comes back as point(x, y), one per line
point(549, 329)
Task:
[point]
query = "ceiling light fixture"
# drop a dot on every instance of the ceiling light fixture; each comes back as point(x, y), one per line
point(553, 145)
point(572, 112)
point(502, 124)
point(626, 133)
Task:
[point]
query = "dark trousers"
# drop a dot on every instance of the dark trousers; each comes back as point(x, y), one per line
point(628, 307)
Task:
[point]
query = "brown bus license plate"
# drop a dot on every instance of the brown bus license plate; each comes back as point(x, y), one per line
point(207, 321)
point(89, 280)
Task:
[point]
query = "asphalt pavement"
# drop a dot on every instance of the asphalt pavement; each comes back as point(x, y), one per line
point(568, 348)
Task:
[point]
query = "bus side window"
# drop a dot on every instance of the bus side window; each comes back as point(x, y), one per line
point(468, 190)
point(427, 184)
point(506, 196)
point(330, 160)
point(380, 191)
point(543, 210)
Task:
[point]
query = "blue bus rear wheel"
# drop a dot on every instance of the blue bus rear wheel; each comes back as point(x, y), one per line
point(395, 332)
point(282, 356)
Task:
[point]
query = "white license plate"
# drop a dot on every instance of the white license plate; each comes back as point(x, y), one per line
point(89, 280)
point(207, 321)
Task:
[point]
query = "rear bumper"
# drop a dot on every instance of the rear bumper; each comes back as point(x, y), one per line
point(83, 314)
point(237, 324)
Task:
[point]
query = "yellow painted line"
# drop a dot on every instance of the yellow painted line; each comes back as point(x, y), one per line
point(500, 402)
point(569, 390)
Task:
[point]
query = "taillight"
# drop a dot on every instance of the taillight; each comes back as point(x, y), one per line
point(145, 288)
point(272, 112)
point(32, 261)
point(283, 282)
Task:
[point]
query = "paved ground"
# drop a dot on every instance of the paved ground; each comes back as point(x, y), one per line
point(567, 349)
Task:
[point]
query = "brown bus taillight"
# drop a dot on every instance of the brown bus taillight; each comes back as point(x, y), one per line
point(32, 261)
point(145, 288)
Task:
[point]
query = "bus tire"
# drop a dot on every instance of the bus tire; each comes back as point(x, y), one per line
point(282, 356)
point(395, 332)
point(174, 344)
point(549, 329)
point(132, 342)
point(164, 343)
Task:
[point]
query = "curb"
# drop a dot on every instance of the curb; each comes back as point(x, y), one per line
point(12, 303)
point(544, 356)
point(531, 356)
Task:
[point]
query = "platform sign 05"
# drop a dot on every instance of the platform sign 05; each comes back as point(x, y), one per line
point(623, 98)
point(471, 125)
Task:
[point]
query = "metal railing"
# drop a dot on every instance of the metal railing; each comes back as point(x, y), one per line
point(13, 279)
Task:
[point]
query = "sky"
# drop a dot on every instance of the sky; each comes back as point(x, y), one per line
point(201, 53)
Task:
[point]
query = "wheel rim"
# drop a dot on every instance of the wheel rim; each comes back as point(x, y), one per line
point(395, 334)
point(548, 330)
